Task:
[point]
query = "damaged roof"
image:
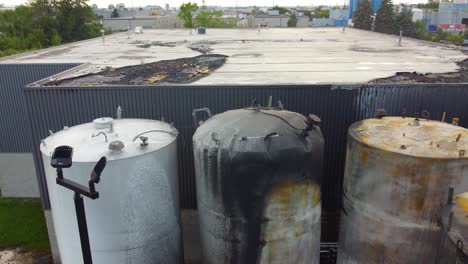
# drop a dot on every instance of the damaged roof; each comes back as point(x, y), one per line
point(271, 56)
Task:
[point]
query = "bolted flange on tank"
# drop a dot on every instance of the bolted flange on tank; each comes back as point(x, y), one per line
point(258, 174)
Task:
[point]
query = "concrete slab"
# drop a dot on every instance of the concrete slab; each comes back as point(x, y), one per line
point(272, 56)
point(18, 175)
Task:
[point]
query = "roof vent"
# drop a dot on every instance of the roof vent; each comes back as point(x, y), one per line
point(103, 122)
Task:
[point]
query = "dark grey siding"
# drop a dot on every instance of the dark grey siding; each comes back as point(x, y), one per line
point(338, 106)
point(14, 121)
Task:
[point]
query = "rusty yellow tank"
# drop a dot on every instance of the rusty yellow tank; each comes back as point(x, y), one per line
point(454, 243)
point(397, 178)
point(462, 202)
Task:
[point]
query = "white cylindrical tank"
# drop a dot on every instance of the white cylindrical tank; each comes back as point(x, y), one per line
point(136, 218)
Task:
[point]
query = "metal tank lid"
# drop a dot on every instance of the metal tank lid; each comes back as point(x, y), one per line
point(412, 137)
point(114, 138)
point(253, 121)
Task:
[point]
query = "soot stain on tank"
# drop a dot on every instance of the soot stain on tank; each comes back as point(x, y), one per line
point(261, 188)
point(247, 178)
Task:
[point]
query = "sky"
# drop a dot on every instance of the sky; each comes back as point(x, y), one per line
point(176, 3)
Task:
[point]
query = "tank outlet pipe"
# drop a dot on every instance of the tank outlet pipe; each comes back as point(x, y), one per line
point(61, 159)
point(194, 114)
point(144, 140)
point(101, 133)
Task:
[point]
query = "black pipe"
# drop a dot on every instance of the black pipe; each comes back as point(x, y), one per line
point(62, 158)
point(83, 228)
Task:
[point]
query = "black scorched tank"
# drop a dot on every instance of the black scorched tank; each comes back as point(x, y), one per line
point(258, 173)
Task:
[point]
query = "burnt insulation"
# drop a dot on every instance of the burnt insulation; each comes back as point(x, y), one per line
point(178, 71)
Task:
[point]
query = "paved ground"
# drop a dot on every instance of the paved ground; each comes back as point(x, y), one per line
point(191, 236)
point(272, 56)
point(19, 256)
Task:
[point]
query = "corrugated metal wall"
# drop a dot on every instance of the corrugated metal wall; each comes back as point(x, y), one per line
point(53, 108)
point(14, 121)
point(338, 106)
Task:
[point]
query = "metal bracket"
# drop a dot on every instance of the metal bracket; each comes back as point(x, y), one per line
point(194, 114)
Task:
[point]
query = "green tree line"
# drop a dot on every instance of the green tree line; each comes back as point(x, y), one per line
point(193, 17)
point(389, 22)
point(45, 23)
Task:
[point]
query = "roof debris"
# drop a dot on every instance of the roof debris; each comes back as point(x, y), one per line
point(203, 48)
point(145, 45)
point(157, 78)
point(413, 77)
point(179, 71)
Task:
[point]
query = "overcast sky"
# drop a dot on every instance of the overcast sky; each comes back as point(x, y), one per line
point(129, 3)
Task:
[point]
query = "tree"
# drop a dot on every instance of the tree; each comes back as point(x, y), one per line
point(44, 23)
point(385, 20)
point(55, 39)
point(282, 10)
point(420, 30)
point(319, 12)
point(254, 12)
point(362, 18)
point(115, 14)
point(404, 21)
point(431, 4)
point(292, 22)
point(77, 20)
point(309, 14)
point(186, 13)
point(214, 19)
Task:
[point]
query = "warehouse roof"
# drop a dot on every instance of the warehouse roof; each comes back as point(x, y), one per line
point(272, 56)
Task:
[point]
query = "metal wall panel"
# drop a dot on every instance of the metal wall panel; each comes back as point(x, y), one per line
point(14, 121)
point(53, 108)
point(338, 106)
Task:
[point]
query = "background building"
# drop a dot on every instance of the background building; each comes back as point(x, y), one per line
point(353, 5)
point(453, 12)
point(270, 20)
point(146, 22)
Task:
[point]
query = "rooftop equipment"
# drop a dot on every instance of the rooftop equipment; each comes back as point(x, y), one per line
point(136, 218)
point(258, 174)
point(201, 30)
point(397, 179)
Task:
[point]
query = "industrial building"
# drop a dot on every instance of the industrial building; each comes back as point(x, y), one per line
point(340, 76)
point(455, 12)
point(275, 20)
point(353, 6)
point(145, 22)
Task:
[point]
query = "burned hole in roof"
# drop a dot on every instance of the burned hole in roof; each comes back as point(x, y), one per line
point(178, 71)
